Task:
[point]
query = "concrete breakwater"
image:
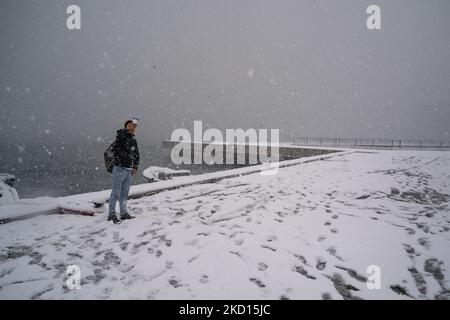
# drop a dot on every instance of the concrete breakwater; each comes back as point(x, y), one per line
point(251, 153)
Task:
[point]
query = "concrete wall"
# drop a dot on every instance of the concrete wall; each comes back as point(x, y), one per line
point(251, 152)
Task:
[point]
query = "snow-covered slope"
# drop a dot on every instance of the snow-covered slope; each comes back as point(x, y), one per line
point(310, 231)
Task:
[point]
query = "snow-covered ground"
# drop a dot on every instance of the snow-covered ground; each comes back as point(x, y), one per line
point(308, 232)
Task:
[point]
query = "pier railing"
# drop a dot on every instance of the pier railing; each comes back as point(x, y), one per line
point(371, 143)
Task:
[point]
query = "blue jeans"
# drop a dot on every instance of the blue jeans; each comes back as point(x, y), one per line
point(121, 181)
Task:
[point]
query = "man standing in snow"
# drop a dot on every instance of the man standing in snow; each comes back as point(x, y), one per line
point(125, 165)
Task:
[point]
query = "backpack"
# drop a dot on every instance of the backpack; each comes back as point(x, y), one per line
point(110, 157)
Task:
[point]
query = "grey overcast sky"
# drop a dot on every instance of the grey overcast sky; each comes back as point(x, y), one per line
point(309, 68)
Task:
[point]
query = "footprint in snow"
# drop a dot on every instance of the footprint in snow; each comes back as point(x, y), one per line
point(262, 266)
point(303, 272)
point(326, 296)
point(257, 282)
point(174, 283)
point(321, 264)
point(124, 246)
point(425, 242)
point(204, 279)
point(301, 258)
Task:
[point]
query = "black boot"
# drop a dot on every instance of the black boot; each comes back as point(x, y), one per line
point(126, 216)
point(114, 219)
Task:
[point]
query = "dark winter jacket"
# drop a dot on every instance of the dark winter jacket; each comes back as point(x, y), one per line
point(126, 150)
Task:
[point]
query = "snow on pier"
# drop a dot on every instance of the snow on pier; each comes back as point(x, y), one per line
point(88, 202)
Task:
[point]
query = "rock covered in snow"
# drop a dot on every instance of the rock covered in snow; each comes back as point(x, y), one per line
point(7, 178)
point(7, 193)
point(161, 173)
